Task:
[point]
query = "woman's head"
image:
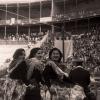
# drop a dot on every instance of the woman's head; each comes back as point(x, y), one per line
point(36, 52)
point(19, 53)
point(55, 55)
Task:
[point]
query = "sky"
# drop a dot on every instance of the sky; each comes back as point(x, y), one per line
point(18, 1)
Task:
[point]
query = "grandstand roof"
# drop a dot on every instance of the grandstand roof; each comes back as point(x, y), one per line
point(19, 1)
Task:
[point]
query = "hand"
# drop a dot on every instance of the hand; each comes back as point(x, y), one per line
point(53, 90)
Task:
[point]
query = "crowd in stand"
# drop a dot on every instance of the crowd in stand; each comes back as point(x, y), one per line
point(23, 36)
point(87, 47)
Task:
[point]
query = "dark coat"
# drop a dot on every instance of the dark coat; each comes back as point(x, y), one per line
point(19, 72)
point(35, 77)
point(32, 94)
point(49, 74)
point(80, 76)
point(52, 75)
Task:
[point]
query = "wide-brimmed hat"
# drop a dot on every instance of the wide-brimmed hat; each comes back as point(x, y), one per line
point(77, 62)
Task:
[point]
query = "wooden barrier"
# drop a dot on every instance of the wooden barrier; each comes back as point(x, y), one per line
point(13, 42)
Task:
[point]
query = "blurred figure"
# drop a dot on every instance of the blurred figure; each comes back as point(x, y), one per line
point(9, 64)
point(29, 45)
point(53, 75)
point(77, 93)
point(17, 56)
point(34, 60)
point(97, 76)
point(16, 76)
point(18, 67)
point(36, 53)
point(34, 75)
point(80, 76)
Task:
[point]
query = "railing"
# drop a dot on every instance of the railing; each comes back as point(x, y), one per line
point(20, 21)
point(2, 22)
point(13, 42)
point(59, 17)
point(76, 15)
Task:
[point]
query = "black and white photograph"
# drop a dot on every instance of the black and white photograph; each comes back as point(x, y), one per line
point(49, 49)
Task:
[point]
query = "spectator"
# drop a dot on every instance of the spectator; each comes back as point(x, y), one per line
point(15, 79)
point(81, 77)
point(34, 75)
point(53, 75)
point(17, 56)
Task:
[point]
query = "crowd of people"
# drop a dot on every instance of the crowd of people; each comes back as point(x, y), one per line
point(86, 47)
point(43, 76)
point(38, 78)
point(23, 36)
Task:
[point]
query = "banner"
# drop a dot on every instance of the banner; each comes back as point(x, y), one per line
point(68, 47)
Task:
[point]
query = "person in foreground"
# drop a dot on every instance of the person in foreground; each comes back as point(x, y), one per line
point(34, 75)
point(53, 75)
point(81, 77)
point(13, 85)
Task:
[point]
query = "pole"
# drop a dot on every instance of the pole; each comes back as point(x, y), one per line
point(52, 8)
point(40, 13)
point(5, 35)
point(17, 30)
point(63, 42)
point(76, 18)
point(29, 21)
point(52, 14)
point(63, 35)
point(29, 12)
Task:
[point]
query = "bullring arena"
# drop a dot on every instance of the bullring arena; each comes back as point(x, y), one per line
point(72, 26)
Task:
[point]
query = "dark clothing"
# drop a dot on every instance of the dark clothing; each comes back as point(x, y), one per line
point(49, 74)
point(80, 76)
point(20, 72)
point(34, 74)
point(13, 64)
point(56, 80)
point(89, 94)
point(32, 94)
point(36, 77)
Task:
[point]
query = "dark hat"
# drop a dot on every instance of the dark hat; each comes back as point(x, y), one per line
point(77, 62)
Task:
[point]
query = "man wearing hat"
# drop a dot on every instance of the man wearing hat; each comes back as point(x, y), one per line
point(78, 74)
point(81, 76)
